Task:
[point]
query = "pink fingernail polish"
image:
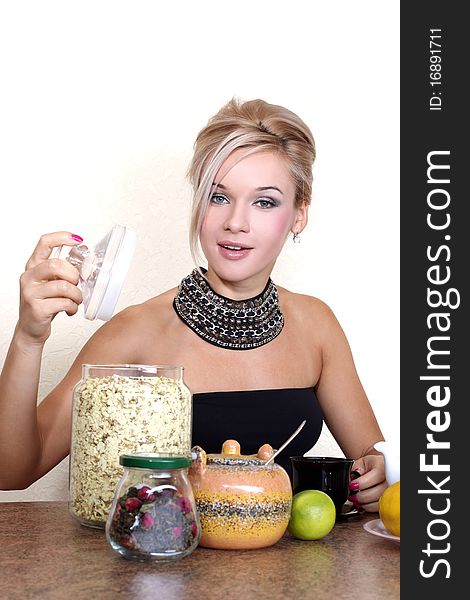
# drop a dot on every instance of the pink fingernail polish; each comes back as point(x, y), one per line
point(77, 238)
point(353, 486)
point(352, 498)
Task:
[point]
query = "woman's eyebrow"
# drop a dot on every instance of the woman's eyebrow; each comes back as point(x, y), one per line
point(262, 188)
point(268, 187)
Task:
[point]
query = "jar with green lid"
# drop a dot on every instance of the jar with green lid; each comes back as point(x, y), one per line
point(153, 515)
point(122, 409)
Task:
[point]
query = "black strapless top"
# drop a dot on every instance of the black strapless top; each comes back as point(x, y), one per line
point(258, 417)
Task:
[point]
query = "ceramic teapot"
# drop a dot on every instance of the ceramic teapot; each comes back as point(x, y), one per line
point(242, 502)
point(391, 453)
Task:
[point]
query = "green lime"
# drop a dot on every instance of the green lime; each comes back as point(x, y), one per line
point(313, 515)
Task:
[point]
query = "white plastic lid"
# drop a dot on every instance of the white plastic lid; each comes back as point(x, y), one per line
point(104, 271)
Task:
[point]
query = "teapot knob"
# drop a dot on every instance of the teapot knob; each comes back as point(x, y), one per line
point(265, 452)
point(231, 448)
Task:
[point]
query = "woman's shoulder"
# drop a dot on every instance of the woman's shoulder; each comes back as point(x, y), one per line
point(133, 335)
point(134, 324)
point(155, 311)
point(303, 305)
point(309, 313)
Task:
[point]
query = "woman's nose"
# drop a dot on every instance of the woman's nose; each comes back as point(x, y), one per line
point(237, 219)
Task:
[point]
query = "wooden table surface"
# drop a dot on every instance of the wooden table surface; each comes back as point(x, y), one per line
point(46, 554)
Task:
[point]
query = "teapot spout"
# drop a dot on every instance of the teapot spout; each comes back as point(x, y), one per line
point(380, 447)
point(391, 453)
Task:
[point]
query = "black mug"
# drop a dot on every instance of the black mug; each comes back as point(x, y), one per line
point(326, 473)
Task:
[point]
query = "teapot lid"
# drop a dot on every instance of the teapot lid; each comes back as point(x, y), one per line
point(231, 455)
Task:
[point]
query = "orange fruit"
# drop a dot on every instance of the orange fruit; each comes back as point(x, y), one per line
point(389, 508)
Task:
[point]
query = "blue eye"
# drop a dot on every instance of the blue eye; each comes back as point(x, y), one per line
point(219, 199)
point(266, 203)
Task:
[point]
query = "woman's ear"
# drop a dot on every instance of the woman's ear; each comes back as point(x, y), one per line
point(301, 218)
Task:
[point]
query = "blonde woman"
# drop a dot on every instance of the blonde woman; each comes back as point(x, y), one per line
point(257, 357)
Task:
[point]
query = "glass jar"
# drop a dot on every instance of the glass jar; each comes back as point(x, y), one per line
point(120, 409)
point(153, 516)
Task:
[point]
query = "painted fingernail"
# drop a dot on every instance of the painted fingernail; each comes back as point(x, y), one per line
point(77, 238)
point(352, 497)
point(357, 504)
point(353, 486)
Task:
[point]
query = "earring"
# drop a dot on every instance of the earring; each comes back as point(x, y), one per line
point(296, 237)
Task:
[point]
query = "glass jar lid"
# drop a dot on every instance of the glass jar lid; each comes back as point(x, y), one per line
point(102, 269)
point(147, 460)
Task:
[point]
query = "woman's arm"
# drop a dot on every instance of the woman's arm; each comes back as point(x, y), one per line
point(50, 423)
point(47, 287)
point(348, 412)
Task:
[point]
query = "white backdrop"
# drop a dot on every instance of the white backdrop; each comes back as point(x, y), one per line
point(100, 105)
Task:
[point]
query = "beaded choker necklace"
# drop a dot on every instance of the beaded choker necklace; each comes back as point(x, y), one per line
point(234, 324)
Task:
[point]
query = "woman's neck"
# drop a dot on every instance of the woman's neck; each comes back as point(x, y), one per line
point(237, 290)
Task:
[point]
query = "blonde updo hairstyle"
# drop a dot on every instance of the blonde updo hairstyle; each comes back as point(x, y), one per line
point(259, 127)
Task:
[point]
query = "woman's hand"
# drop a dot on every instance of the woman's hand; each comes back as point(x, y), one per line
point(370, 485)
point(47, 287)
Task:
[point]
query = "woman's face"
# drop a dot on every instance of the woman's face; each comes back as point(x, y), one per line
point(250, 214)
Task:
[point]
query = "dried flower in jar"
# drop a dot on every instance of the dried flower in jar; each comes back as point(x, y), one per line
point(158, 520)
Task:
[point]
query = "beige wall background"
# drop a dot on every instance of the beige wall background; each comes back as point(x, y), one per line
point(101, 104)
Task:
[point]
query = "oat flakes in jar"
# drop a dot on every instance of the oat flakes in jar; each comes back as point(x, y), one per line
point(122, 409)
